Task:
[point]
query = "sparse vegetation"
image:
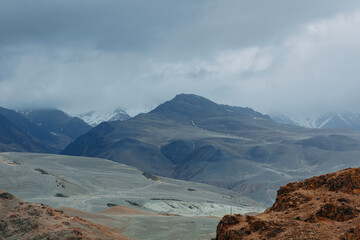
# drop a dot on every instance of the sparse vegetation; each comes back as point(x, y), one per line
point(111, 204)
point(41, 171)
point(60, 195)
point(166, 199)
point(150, 176)
point(133, 203)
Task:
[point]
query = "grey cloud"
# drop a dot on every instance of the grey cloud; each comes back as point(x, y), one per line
point(103, 24)
point(87, 54)
point(139, 25)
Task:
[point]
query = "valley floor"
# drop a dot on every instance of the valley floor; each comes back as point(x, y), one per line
point(143, 225)
point(123, 199)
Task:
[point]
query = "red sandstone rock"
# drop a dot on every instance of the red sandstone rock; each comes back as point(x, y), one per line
point(324, 207)
point(21, 220)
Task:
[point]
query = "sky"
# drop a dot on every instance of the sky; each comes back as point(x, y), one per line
point(297, 58)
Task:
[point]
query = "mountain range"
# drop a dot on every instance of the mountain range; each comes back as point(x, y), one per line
point(192, 138)
point(227, 156)
point(330, 120)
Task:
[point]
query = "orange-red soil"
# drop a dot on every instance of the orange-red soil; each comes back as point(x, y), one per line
point(22, 220)
point(324, 207)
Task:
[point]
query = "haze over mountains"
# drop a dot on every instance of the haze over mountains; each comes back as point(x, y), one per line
point(192, 138)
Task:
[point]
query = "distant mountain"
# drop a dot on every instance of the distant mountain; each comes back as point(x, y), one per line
point(57, 122)
point(94, 118)
point(193, 138)
point(330, 120)
point(19, 134)
point(13, 138)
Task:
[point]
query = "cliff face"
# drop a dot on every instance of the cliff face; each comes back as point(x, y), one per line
point(22, 220)
point(323, 207)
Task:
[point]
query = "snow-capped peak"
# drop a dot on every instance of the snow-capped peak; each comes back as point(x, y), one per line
point(94, 118)
point(331, 120)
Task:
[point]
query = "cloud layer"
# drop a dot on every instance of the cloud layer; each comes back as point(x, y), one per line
point(298, 58)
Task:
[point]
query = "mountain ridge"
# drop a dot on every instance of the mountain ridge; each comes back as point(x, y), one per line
point(197, 107)
point(192, 138)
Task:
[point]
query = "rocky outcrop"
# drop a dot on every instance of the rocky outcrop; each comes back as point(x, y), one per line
point(22, 220)
point(323, 207)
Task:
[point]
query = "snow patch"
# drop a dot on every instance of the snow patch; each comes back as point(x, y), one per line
point(94, 118)
point(346, 121)
point(325, 122)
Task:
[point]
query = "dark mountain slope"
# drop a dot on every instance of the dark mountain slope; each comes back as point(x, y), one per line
point(27, 125)
point(16, 139)
point(44, 140)
point(193, 138)
point(56, 121)
point(199, 108)
point(126, 143)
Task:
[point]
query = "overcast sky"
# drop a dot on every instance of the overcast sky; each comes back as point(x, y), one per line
point(298, 57)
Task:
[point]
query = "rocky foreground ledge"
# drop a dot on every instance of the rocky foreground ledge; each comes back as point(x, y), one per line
point(22, 220)
point(324, 207)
